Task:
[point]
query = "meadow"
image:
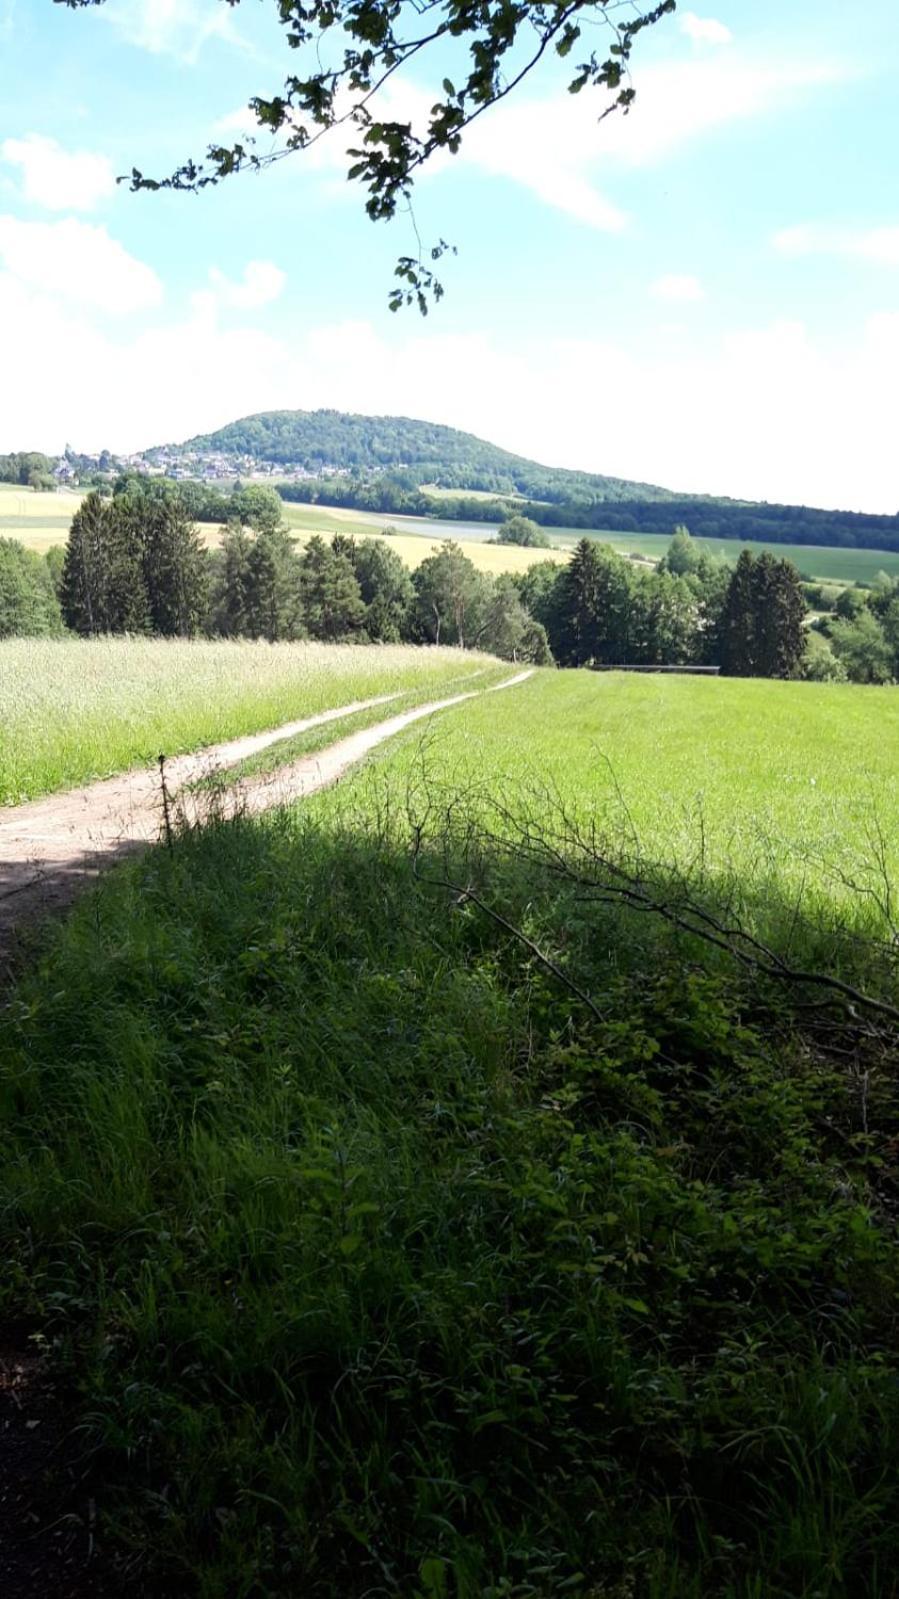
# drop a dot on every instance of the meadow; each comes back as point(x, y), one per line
point(76, 709)
point(410, 1213)
point(774, 780)
point(41, 520)
point(824, 562)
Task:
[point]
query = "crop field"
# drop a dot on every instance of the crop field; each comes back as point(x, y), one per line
point(71, 710)
point(41, 520)
point(36, 520)
point(430, 1220)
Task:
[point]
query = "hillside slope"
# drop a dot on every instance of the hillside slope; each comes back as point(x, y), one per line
point(428, 451)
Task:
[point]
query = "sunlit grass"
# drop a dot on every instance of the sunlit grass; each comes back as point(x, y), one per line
point(76, 709)
point(793, 782)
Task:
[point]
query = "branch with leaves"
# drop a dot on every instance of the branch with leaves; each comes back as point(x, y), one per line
point(497, 43)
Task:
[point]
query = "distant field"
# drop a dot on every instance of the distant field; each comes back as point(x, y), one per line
point(41, 520)
point(36, 520)
point(819, 561)
point(813, 560)
point(77, 709)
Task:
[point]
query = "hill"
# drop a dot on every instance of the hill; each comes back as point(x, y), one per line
point(424, 452)
point(392, 464)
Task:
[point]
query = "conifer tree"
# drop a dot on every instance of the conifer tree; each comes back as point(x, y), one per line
point(231, 598)
point(386, 588)
point(103, 589)
point(272, 588)
point(81, 591)
point(331, 599)
point(761, 628)
point(174, 567)
point(591, 615)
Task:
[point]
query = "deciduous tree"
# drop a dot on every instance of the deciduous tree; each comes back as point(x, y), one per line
point(482, 53)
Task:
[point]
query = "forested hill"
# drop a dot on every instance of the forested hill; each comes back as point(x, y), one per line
point(423, 452)
point(392, 465)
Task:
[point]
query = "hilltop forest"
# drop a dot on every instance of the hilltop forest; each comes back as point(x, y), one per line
point(383, 463)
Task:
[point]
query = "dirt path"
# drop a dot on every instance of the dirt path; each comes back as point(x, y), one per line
point(51, 847)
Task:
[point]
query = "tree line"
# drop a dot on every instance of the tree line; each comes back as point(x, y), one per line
point(135, 563)
point(27, 468)
point(399, 495)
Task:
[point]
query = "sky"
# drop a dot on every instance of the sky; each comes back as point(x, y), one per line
point(703, 294)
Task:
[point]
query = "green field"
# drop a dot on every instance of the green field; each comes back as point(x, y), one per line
point(40, 520)
point(771, 774)
point(813, 560)
point(409, 1212)
point(71, 710)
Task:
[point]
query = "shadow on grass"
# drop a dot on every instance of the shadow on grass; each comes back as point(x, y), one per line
point(31, 892)
point(386, 1266)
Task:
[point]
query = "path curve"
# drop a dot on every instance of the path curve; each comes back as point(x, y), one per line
point(51, 848)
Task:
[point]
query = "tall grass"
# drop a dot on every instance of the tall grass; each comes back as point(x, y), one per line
point(385, 1267)
point(71, 710)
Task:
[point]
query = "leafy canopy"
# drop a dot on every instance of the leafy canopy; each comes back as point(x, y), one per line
point(348, 50)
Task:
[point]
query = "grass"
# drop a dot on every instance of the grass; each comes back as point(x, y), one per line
point(40, 520)
point(384, 1265)
point(78, 709)
point(813, 560)
point(770, 777)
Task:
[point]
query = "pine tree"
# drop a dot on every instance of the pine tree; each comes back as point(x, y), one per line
point(736, 631)
point(331, 599)
point(591, 615)
point(780, 612)
point(761, 631)
point(273, 599)
point(103, 588)
point(174, 567)
point(81, 591)
point(386, 588)
point(231, 599)
point(125, 591)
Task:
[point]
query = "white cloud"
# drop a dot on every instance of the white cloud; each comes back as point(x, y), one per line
point(559, 149)
point(59, 179)
point(78, 264)
point(172, 27)
point(762, 412)
point(872, 244)
point(704, 30)
point(677, 288)
point(262, 282)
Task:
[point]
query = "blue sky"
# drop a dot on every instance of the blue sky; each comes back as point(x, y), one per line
point(703, 294)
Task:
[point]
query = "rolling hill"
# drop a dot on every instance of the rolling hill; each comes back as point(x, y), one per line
point(392, 464)
point(423, 452)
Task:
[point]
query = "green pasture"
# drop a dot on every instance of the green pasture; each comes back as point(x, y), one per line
point(776, 783)
point(813, 560)
point(406, 1218)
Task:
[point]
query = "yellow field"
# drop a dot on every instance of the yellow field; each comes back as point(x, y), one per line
point(36, 520)
point(492, 558)
point(41, 520)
